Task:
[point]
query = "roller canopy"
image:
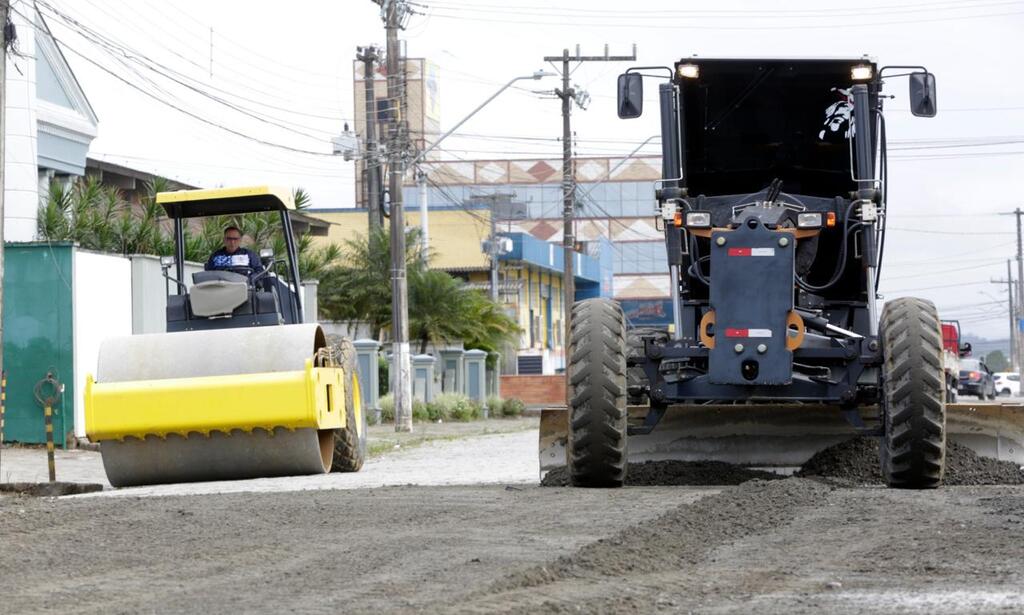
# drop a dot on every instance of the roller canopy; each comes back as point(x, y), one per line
point(226, 201)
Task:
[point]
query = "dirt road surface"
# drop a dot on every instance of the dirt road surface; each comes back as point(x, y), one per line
point(782, 546)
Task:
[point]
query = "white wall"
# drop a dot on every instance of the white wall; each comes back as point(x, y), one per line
point(21, 181)
point(102, 308)
point(149, 293)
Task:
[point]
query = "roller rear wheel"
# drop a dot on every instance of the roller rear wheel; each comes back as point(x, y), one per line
point(350, 441)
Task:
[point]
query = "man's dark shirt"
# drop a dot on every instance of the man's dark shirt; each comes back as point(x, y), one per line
point(242, 257)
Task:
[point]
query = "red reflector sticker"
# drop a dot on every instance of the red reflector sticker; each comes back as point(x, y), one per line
point(751, 251)
point(748, 333)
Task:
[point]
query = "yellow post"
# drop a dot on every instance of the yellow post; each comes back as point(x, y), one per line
point(47, 399)
point(48, 417)
point(3, 406)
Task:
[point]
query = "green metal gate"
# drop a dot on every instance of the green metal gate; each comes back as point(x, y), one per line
point(38, 337)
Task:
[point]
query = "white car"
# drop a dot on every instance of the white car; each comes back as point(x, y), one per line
point(1007, 384)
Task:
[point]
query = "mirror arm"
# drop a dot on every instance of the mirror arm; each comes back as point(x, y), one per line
point(918, 69)
point(640, 68)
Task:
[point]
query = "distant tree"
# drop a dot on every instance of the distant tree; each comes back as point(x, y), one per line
point(441, 308)
point(359, 288)
point(997, 362)
point(98, 217)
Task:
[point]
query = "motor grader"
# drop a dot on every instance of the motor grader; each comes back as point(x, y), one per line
point(773, 201)
point(239, 386)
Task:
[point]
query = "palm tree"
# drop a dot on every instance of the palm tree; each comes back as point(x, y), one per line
point(438, 307)
point(360, 288)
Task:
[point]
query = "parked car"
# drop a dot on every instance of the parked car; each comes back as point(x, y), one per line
point(976, 379)
point(1007, 383)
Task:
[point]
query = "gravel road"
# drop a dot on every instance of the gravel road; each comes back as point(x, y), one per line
point(794, 545)
point(782, 546)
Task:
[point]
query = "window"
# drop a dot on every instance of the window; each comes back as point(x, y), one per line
point(640, 257)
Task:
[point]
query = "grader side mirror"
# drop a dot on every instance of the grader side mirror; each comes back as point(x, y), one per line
point(923, 94)
point(631, 95)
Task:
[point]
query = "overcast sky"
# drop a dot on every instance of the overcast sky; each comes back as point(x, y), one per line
point(290, 64)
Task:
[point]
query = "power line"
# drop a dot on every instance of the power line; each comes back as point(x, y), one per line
point(660, 24)
point(113, 47)
point(189, 113)
point(939, 271)
point(957, 233)
point(690, 13)
point(264, 94)
point(909, 290)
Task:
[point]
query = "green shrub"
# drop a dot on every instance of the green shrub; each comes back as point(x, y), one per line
point(437, 411)
point(495, 405)
point(387, 408)
point(419, 411)
point(512, 407)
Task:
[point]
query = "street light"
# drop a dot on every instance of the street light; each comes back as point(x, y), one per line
point(535, 76)
point(421, 177)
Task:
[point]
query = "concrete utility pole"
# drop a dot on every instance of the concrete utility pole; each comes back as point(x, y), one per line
point(1020, 300)
point(371, 164)
point(5, 8)
point(1018, 349)
point(1013, 320)
point(569, 95)
point(394, 13)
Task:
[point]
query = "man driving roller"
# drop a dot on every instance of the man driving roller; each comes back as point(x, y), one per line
point(233, 257)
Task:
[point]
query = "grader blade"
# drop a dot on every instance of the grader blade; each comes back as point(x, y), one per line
point(784, 435)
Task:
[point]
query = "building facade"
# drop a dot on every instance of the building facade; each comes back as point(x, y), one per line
point(50, 123)
point(615, 208)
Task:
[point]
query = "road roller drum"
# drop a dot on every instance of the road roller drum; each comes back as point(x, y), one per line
point(220, 404)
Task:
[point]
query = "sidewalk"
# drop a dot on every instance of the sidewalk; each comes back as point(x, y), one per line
point(434, 454)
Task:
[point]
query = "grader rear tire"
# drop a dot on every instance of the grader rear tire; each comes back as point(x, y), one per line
point(597, 381)
point(913, 449)
point(350, 442)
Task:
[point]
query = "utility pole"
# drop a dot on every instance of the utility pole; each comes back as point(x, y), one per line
point(1014, 362)
point(5, 8)
point(1018, 349)
point(371, 164)
point(569, 95)
point(211, 53)
point(394, 13)
point(493, 246)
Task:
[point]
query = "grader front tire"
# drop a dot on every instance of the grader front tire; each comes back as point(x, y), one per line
point(914, 445)
point(597, 405)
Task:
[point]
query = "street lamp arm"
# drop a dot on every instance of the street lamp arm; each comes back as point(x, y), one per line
point(537, 75)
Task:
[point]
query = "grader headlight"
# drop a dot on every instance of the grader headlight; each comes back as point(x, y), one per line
point(689, 71)
point(698, 219)
point(808, 220)
point(861, 73)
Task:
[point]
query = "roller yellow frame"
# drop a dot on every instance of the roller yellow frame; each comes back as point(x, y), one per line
point(309, 398)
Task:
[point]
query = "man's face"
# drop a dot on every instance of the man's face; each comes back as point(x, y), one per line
point(232, 239)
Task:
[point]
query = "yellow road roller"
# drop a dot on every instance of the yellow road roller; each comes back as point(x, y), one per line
point(239, 386)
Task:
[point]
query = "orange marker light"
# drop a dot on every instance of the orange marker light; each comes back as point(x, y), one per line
point(830, 219)
point(678, 219)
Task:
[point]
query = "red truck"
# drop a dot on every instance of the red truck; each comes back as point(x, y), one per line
point(952, 350)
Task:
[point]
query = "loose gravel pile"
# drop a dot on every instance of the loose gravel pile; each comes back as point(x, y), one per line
point(855, 462)
point(48, 490)
point(674, 473)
